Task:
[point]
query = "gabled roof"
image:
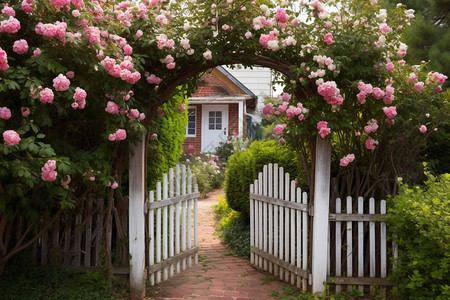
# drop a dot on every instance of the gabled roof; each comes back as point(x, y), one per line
point(219, 86)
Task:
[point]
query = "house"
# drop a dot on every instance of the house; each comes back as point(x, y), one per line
point(217, 110)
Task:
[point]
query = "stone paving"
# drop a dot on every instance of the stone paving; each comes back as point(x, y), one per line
point(218, 274)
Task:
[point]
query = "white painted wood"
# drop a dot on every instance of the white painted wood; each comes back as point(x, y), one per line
point(321, 211)
point(211, 138)
point(171, 221)
point(260, 218)
point(252, 224)
point(372, 239)
point(338, 244)
point(293, 232)
point(281, 209)
point(265, 219)
point(177, 216)
point(349, 209)
point(151, 230)
point(183, 215)
point(196, 220)
point(383, 262)
point(270, 194)
point(305, 240)
point(298, 218)
point(361, 242)
point(275, 218)
point(136, 218)
point(241, 118)
point(286, 224)
point(189, 216)
point(165, 228)
point(158, 231)
point(257, 224)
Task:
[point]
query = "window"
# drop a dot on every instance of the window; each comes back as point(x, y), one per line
point(215, 120)
point(191, 124)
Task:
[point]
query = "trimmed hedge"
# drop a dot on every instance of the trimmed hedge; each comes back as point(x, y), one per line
point(243, 168)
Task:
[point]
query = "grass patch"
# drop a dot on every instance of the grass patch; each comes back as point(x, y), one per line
point(28, 282)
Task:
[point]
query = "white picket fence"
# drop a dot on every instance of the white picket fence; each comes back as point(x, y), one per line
point(357, 247)
point(278, 226)
point(172, 225)
point(361, 254)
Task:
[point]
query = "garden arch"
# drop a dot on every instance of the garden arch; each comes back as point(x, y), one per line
point(137, 184)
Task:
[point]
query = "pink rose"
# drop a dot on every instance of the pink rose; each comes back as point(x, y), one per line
point(61, 83)
point(370, 144)
point(153, 79)
point(423, 129)
point(12, 25)
point(322, 126)
point(191, 147)
point(378, 93)
point(139, 33)
point(389, 66)
point(346, 160)
point(65, 182)
point(121, 134)
point(5, 113)
point(207, 55)
point(46, 95)
point(278, 130)
point(112, 108)
point(384, 28)
point(25, 111)
point(20, 46)
point(37, 52)
point(328, 38)
point(8, 11)
point(127, 50)
point(114, 185)
point(419, 86)
point(390, 111)
point(48, 171)
point(11, 137)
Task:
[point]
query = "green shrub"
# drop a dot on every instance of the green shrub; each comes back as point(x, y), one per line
point(419, 222)
point(243, 168)
point(233, 228)
point(164, 151)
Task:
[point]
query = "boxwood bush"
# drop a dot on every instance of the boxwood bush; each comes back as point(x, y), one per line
point(419, 222)
point(243, 168)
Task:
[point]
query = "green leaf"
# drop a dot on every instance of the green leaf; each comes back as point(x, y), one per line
point(40, 136)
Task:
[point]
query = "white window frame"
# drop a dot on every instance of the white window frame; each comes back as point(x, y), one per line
point(195, 122)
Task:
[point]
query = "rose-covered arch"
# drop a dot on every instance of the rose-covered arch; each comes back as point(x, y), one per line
point(87, 77)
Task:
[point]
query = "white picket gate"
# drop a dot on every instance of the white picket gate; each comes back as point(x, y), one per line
point(172, 225)
point(357, 253)
point(361, 254)
point(279, 226)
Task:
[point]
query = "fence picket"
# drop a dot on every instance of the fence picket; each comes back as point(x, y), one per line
point(195, 221)
point(270, 194)
point(171, 221)
point(286, 224)
point(183, 215)
point(189, 217)
point(177, 216)
point(275, 217)
point(349, 239)
point(252, 225)
point(158, 231)
point(281, 235)
point(293, 233)
point(338, 244)
point(151, 230)
point(260, 218)
point(360, 243)
point(372, 238)
point(383, 262)
point(304, 240)
point(165, 227)
point(265, 218)
point(298, 199)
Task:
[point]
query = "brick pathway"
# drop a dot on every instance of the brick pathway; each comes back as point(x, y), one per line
point(217, 275)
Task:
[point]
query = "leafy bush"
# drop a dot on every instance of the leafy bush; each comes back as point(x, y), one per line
point(165, 150)
point(243, 168)
point(208, 173)
point(231, 145)
point(233, 228)
point(419, 222)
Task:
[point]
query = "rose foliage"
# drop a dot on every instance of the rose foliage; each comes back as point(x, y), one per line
point(81, 79)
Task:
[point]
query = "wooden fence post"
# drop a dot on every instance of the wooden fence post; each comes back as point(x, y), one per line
point(321, 211)
point(136, 220)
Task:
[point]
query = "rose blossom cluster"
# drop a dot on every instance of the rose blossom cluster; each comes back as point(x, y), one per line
point(377, 93)
point(61, 83)
point(278, 130)
point(270, 41)
point(119, 135)
point(330, 93)
point(371, 126)
point(370, 144)
point(122, 70)
point(80, 98)
point(153, 79)
point(12, 25)
point(20, 46)
point(48, 171)
point(169, 61)
point(322, 126)
point(11, 137)
point(57, 30)
point(163, 41)
point(346, 160)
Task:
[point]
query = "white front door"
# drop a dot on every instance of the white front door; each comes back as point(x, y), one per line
point(214, 126)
